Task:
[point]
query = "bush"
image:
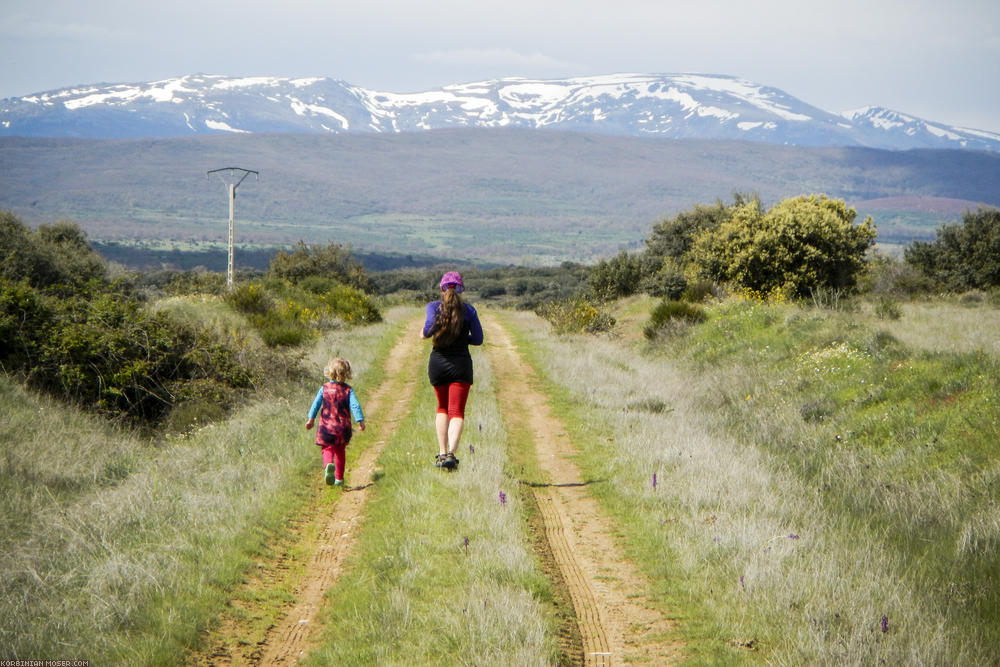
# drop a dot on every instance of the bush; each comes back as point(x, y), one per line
point(667, 283)
point(249, 299)
point(620, 276)
point(699, 290)
point(891, 277)
point(964, 256)
point(330, 261)
point(65, 330)
point(672, 239)
point(104, 350)
point(798, 246)
point(669, 313)
point(887, 308)
point(576, 316)
point(57, 254)
point(287, 315)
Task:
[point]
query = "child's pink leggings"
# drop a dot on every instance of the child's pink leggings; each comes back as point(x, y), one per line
point(337, 455)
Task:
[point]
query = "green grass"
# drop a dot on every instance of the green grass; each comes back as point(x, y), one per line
point(813, 476)
point(414, 592)
point(120, 549)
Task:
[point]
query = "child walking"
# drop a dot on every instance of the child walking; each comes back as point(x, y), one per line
point(336, 404)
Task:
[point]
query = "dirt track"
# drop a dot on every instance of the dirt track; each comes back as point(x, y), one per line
point(612, 621)
point(608, 595)
point(235, 643)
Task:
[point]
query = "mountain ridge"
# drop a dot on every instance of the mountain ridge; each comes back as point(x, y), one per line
point(677, 106)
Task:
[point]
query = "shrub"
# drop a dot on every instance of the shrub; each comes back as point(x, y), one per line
point(620, 276)
point(330, 261)
point(891, 277)
point(287, 315)
point(57, 254)
point(887, 308)
point(576, 316)
point(799, 245)
point(964, 256)
point(249, 299)
point(672, 239)
point(668, 282)
point(104, 350)
point(697, 291)
point(668, 313)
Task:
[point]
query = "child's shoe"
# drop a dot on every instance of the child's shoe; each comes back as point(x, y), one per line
point(338, 482)
point(329, 474)
point(439, 460)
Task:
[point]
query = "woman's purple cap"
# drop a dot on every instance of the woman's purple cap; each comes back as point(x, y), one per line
point(452, 278)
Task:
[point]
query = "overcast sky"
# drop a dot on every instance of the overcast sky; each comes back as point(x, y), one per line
point(936, 60)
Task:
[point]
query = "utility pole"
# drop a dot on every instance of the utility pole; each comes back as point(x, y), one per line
point(232, 182)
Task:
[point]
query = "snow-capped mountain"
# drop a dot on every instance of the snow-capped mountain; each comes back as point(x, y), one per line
point(664, 105)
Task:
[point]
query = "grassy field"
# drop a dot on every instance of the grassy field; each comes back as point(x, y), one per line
point(798, 485)
point(802, 488)
point(120, 549)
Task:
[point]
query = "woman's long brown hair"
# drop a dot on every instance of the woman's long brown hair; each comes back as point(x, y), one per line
point(449, 319)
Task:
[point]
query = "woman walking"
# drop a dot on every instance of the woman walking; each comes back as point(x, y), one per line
point(453, 325)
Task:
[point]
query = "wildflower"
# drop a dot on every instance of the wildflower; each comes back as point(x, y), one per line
point(793, 536)
point(742, 585)
point(654, 481)
point(885, 624)
point(503, 498)
point(472, 450)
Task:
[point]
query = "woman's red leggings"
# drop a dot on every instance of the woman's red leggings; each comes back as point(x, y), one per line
point(451, 398)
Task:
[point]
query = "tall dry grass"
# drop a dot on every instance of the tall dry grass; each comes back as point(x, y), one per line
point(120, 549)
point(761, 551)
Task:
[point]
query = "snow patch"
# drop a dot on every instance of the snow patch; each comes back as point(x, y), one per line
point(247, 82)
point(224, 127)
point(301, 108)
point(941, 132)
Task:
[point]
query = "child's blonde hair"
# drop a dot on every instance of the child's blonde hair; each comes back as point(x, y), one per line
point(338, 370)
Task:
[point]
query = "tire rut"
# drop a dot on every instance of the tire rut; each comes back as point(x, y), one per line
point(617, 623)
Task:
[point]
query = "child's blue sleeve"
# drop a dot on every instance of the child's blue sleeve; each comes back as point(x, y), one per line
point(317, 404)
point(356, 412)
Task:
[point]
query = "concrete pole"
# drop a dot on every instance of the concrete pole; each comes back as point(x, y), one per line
point(230, 279)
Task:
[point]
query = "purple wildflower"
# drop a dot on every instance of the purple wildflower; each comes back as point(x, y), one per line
point(885, 624)
point(472, 450)
point(654, 480)
point(742, 585)
point(503, 498)
point(793, 536)
point(466, 545)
